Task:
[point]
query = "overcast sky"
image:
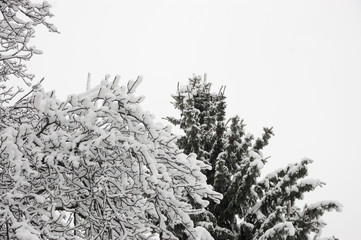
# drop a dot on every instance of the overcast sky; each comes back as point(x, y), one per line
point(293, 65)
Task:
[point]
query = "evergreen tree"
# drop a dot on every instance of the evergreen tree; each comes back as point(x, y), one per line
point(234, 156)
point(250, 209)
point(203, 121)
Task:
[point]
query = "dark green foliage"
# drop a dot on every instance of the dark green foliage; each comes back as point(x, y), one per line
point(244, 162)
point(250, 209)
point(275, 211)
point(235, 158)
point(202, 120)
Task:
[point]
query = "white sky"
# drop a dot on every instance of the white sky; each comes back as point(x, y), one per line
point(293, 65)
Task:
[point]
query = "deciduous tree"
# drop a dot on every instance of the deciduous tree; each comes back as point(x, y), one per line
point(95, 166)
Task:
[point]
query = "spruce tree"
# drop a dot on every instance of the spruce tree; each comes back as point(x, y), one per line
point(203, 121)
point(250, 209)
point(233, 155)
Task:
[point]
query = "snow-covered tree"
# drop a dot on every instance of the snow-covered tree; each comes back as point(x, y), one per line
point(94, 166)
point(206, 134)
point(18, 20)
point(250, 209)
point(203, 121)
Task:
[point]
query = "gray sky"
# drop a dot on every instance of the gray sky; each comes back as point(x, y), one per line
point(293, 65)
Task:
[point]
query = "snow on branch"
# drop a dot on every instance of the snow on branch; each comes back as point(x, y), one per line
point(18, 19)
point(96, 165)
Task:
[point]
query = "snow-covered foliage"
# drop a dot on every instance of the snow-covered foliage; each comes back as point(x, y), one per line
point(201, 111)
point(234, 156)
point(250, 209)
point(244, 161)
point(275, 214)
point(203, 234)
point(18, 20)
point(95, 166)
point(202, 119)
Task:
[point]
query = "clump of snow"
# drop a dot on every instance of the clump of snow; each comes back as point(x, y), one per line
point(285, 227)
point(24, 234)
point(309, 181)
point(202, 234)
